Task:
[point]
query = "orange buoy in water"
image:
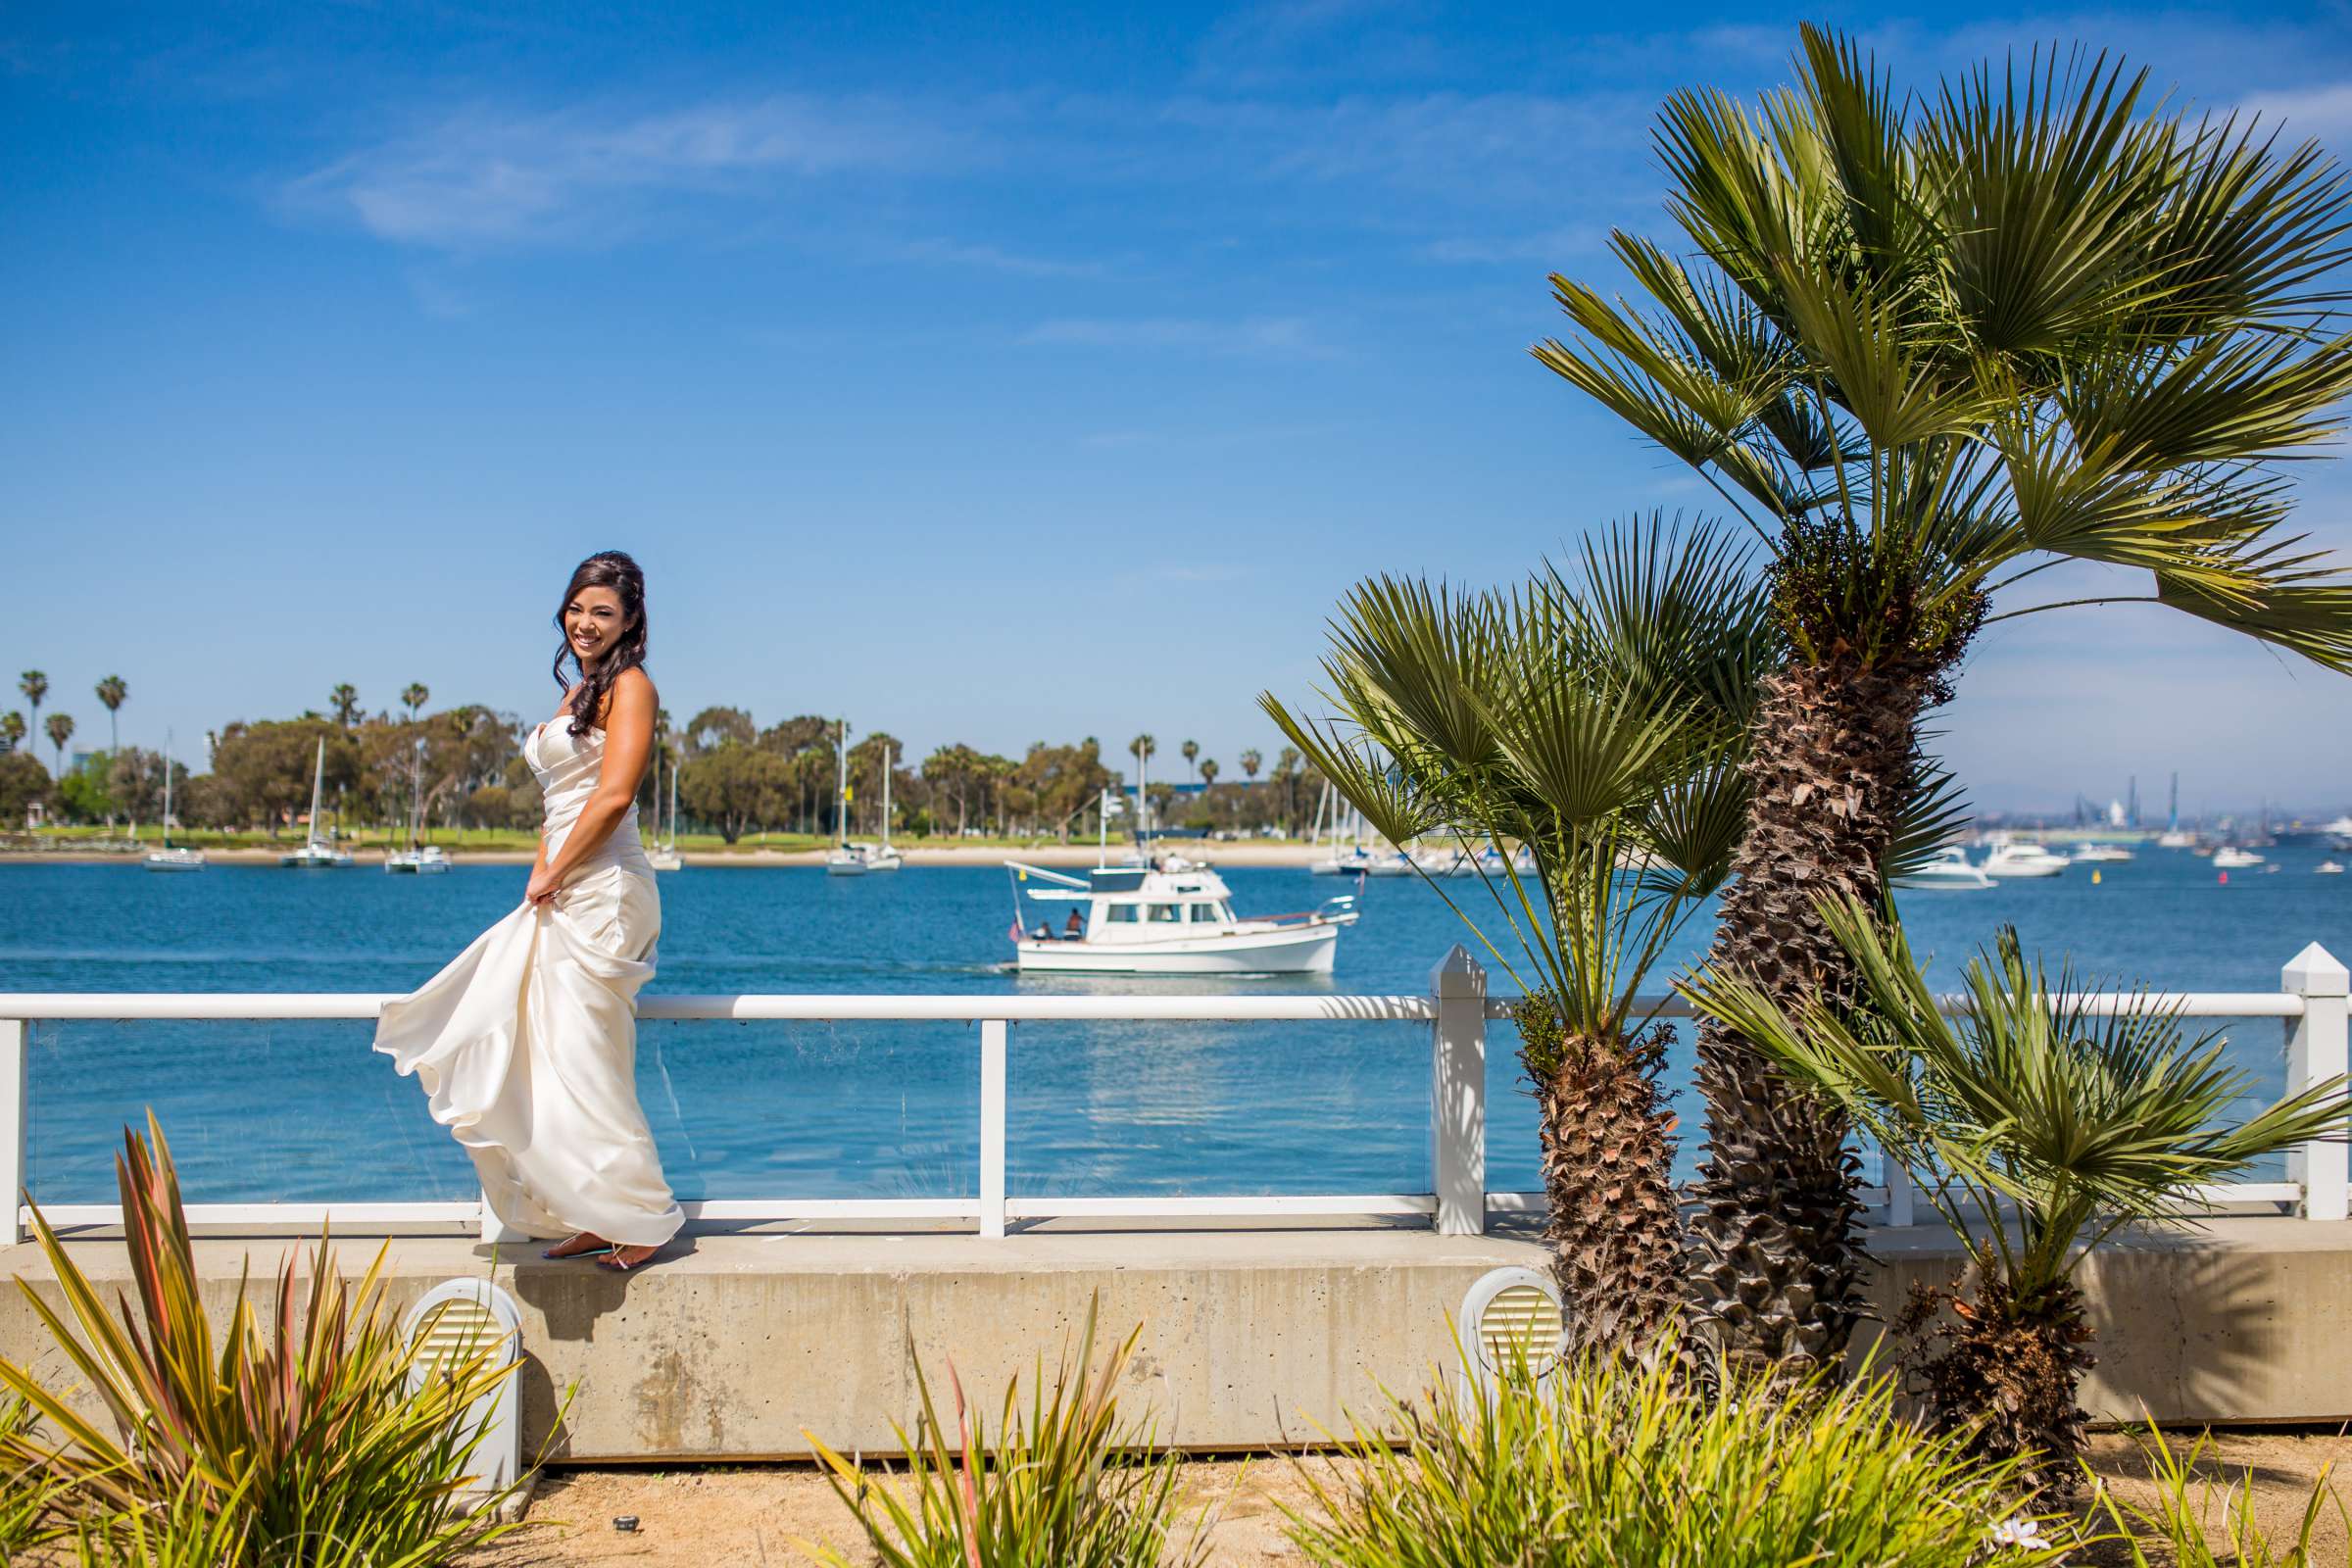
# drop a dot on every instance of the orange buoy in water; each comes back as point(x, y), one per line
point(2094, 876)
point(2225, 880)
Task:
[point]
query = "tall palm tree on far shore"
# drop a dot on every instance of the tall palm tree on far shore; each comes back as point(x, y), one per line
point(415, 696)
point(1191, 756)
point(36, 686)
point(345, 698)
point(112, 693)
point(12, 730)
point(1142, 749)
point(1928, 346)
point(60, 730)
point(1252, 762)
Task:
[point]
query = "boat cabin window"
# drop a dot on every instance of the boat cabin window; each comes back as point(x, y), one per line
point(1167, 911)
point(1208, 914)
point(1124, 914)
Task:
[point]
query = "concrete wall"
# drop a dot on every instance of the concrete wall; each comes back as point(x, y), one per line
point(736, 1348)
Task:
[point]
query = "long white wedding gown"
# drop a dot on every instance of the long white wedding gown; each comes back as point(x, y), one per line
point(527, 1043)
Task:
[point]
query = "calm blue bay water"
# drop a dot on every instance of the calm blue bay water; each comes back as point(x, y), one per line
point(305, 1110)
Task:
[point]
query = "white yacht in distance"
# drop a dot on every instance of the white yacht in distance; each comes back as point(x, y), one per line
point(316, 853)
point(1950, 869)
point(2011, 857)
point(2231, 857)
point(2329, 868)
point(2099, 853)
point(857, 859)
point(169, 858)
point(2339, 833)
point(416, 860)
point(1170, 916)
point(2176, 838)
point(662, 856)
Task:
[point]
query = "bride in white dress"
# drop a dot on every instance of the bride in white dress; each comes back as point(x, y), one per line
point(527, 1044)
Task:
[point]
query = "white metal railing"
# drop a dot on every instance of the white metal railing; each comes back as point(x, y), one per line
point(2311, 1001)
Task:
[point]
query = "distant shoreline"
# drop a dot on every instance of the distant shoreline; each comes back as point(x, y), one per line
point(1047, 854)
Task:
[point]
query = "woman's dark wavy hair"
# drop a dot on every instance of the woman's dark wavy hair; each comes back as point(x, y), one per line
point(614, 569)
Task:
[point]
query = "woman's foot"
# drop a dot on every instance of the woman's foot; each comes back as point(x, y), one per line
point(587, 1243)
point(621, 1260)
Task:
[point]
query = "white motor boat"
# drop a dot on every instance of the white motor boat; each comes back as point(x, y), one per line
point(2339, 833)
point(663, 856)
point(2176, 838)
point(317, 852)
point(2231, 857)
point(1949, 870)
point(2329, 868)
point(2011, 857)
point(169, 858)
point(1171, 917)
point(2099, 853)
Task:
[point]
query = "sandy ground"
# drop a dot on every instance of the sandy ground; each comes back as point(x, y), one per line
point(760, 1516)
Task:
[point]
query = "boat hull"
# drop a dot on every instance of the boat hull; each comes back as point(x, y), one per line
point(1290, 949)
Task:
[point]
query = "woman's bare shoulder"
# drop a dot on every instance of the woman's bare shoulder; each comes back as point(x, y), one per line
point(637, 684)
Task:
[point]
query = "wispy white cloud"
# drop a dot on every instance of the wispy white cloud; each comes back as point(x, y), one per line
point(2323, 112)
point(1552, 246)
point(487, 178)
point(991, 259)
point(1275, 336)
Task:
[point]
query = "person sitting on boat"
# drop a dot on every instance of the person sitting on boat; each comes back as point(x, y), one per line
point(1044, 931)
point(1074, 928)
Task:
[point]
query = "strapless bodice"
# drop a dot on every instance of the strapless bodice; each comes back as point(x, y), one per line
point(567, 767)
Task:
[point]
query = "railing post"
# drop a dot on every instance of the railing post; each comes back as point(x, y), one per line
point(2315, 1054)
point(1458, 1093)
point(991, 1129)
point(1899, 1209)
point(13, 1125)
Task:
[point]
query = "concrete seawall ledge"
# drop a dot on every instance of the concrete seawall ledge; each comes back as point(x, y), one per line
point(1252, 1339)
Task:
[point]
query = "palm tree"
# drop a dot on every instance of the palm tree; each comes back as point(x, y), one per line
point(1602, 726)
point(60, 730)
point(1252, 762)
point(112, 693)
point(415, 696)
point(1208, 772)
point(345, 699)
point(1142, 749)
point(36, 686)
point(12, 730)
point(1192, 752)
point(2083, 1123)
point(1929, 347)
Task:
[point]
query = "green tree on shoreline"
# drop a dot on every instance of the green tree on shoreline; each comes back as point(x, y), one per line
point(36, 686)
point(60, 730)
point(112, 693)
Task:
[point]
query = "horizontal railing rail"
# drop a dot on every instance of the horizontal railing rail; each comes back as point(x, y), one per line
point(2312, 1003)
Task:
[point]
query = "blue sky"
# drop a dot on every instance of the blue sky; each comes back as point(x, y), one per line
point(985, 376)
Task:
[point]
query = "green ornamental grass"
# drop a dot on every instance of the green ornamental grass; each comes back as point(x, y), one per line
point(1064, 1485)
point(1608, 1463)
point(306, 1433)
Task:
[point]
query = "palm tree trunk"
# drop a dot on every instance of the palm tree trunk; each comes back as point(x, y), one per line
point(1775, 1263)
point(2009, 1371)
point(1615, 1227)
